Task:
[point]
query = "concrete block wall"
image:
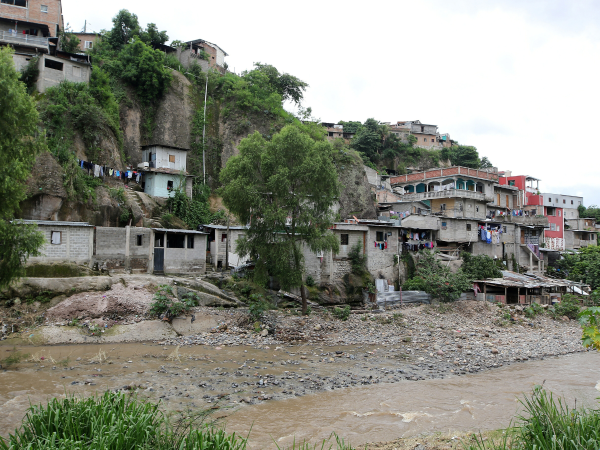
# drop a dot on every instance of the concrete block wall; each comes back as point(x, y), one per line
point(187, 260)
point(72, 71)
point(116, 249)
point(381, 262)
point(76, 244)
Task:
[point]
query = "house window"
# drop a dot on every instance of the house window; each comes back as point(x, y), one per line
point(379, 236)
point(344, 239)
point(171, 158)
point(504, 229)
point(190, 241)
point(557, 227)
point(169, 185)
point(564, 201)
point(552, 227)
point(22, 3)
point(443, 207)
point(571, 202)
point(511, 183)
point(56, 237)
point(223, 237)
point(44, 8)
point(477, 208)
point(433, 140)
point(139, 240)
point(507, 202)
point(88, 45)
point(468, 227)
point(550, 211)
point(55, 65)
point(559, 213)
point(444, 225)
point(175, 240)
point(549, 200)
point(159, 241)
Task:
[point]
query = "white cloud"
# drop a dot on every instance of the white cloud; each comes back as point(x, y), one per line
point(516, 79)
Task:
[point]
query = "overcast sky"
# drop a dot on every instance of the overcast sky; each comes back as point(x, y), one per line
point(517, 79)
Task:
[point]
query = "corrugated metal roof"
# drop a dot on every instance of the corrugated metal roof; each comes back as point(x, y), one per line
point(166, 230)
point(529, 281)
point(56, 223)
point(224, 227)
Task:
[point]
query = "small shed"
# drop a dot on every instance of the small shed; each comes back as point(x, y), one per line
point(69, 242)
point(515, 288)
point(178, 251)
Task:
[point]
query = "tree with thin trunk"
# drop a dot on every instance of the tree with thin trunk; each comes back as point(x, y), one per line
point(19, 147)
point(284, 188)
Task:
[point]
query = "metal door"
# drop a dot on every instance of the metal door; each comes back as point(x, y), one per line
point(159, 259)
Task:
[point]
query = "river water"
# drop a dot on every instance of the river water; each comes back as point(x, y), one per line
point(384, 412)
point(379, 412)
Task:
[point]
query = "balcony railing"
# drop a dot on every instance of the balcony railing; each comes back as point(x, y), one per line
point(452, 193)
point(23, 39)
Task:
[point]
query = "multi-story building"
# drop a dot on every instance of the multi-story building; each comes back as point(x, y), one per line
point(555, 207)
point(427, 136)
point(28, 19)
point(195, 52)
point(31, 28)
point(87, 40)
point(165, 170)
point(580, 233)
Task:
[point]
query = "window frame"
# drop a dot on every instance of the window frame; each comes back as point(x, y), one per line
point(344, 239)
point(52, 233)
point(88, 47)
point(379, 234)
point(44, 10)
point(139, 240)
point(190, 242)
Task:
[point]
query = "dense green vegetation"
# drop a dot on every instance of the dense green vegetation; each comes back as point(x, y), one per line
point(435, 278)
point(547, 423)
point(20, 143)
point(589, 212)
point(284, 188)
point(114, 421)
point(195, 211)
point(381, 148)
point(582, 266)
point(481, 267)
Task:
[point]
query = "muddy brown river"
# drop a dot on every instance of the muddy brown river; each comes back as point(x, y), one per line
point(269, 389)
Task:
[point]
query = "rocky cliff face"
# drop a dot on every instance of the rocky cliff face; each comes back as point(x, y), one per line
point(356, 197)
point(173, 117)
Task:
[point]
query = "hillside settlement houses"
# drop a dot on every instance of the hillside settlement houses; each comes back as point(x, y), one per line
point(450, 209)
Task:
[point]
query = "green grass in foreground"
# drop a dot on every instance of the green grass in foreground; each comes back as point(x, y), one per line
point(116, 421)
point(548, 424)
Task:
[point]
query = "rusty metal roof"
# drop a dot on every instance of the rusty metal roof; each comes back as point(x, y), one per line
point(529, 281)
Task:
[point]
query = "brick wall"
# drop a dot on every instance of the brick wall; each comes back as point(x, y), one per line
point(33, 13)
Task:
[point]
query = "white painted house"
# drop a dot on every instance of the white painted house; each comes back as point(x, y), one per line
point(165, 170)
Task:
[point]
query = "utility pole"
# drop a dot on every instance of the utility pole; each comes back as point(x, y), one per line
point(227, 246)
point(204, 125)
point(203, 134)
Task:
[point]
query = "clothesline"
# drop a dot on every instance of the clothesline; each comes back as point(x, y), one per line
point(99, 171)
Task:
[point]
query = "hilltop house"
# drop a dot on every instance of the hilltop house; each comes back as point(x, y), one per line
point(165, 170)
point(31, 28)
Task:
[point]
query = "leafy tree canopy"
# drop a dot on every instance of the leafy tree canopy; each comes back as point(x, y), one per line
point(583, 266)
point(463, 155)
point(284, 188)
point(439, 281)
point(125, 27)
point(480, 267)
point(286, 85)
point(19, 146)
point(486, 163)
point(592, 211)
point(68, 42)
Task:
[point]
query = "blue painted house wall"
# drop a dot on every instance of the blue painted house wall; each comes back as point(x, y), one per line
point(156, 184)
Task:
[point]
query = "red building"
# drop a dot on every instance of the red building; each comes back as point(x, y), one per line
point(531, 201)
